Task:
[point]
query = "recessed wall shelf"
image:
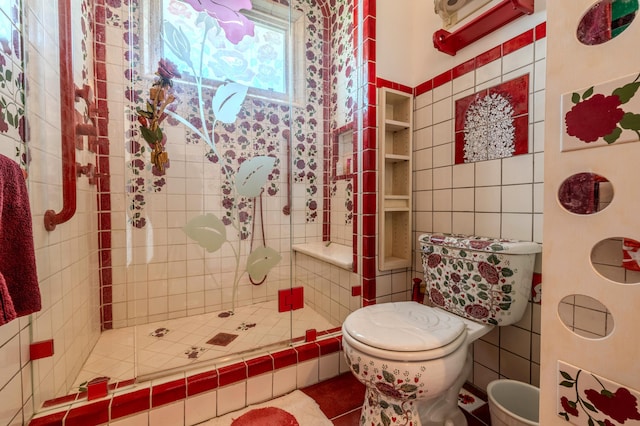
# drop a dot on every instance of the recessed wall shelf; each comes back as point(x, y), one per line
point(395, 141)
point(494, 18)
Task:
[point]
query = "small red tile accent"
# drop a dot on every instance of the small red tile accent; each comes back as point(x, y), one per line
point(517, 42)
point(97, 388)
point(166, 393)
point(307, 352)
point(369, 159)
point(284, 358)
point(311, 335)
point(96, 413)
point(368, 245)
point(130, 403)
point(329, 346)
point(202, 382)
point(541, 31)
point(39, 350)
point(233, 373)
point(369, 178)
point(369, 266)
point(356, 290)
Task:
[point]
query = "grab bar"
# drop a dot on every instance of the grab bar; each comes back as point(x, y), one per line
point(67, 122)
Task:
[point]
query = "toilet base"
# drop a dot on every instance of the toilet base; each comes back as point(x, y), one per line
point(380, 407)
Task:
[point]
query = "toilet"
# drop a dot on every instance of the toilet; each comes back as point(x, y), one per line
point(413, 358)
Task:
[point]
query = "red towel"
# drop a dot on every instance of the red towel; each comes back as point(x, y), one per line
point(17, 255)
point(630, 254)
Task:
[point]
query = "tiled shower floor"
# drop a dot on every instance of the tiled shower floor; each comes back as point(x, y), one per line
point(177, 343)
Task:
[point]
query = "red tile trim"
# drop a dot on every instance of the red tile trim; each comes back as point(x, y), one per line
point(232, 373)
point(488, 56)
point(202, 382)
point(96, 413)
point(356, 290)
point(541, 31)
point(329, 346)
point(130, 403)
point(284, 358)
point(518, 42)
point(166, 393)
point(55, 419)
point(464, 68)
point(260, 365)
point(423, 88)
point(307, 352)
point(443, 78)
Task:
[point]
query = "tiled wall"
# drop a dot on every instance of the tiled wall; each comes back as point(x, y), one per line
point(331, 291)
point(496, 198)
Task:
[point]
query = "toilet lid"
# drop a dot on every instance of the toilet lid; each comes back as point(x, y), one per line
point(403, 327)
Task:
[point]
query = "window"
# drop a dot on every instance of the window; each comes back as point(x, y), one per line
point(264, 62)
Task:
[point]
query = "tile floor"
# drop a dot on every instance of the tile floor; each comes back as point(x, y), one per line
point(130, 352)
point(340, 399)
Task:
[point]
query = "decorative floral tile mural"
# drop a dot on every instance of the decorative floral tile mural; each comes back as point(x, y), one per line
point(602, 114)
point(493, 123)
point(587, 399)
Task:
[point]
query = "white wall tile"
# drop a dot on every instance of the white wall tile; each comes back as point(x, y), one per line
point(463, 223)
point(487, 199)
point(307, 373)
point(141, 419)
point(167, 415)
point(517, 226)
point(442, 178)
point(488, 224)
point(463, 175)
point(517, 198)
point(284, 380)
point(423, 180)
point(442, 91)
point(539, 75)
point(516, 340)
point(517, 59)
point(442, 200)
point(259, 388)
point(463, 82)
point(442, 222)
point(423, 138)
point(538, 197)
point(517, 169)
point(442, 110)
point(488, 173)
point(423, 99)
point(199, 408)
point(488, 72)
point(231, 398)
point(443, 132)
point(514, 367)
point(329, 365)
point(423, 159)
point(463, 199)
point(423, 117)
point(443, 155)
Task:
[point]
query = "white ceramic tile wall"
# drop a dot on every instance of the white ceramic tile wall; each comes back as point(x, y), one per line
point(497, 198)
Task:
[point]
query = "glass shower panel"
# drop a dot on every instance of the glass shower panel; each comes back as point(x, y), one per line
point(208, 246)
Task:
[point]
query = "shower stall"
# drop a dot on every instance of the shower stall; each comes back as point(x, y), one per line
point(224, 137)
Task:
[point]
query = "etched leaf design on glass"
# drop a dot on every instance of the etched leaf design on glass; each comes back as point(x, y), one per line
point(260, 262)
point(253, 174)
point(208, 231)
point(178, 42)
point(227, 101)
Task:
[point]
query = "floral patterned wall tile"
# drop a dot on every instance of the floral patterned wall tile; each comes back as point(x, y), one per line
point(587, 399)
point(493, 123)
point(602, 114)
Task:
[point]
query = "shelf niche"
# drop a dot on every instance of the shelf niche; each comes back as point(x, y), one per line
point(395, 132)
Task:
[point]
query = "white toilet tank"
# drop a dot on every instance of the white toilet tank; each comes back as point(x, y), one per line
point(484, 279)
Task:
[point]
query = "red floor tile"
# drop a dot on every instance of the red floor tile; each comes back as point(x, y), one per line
point(338, 395)
point(352, 418)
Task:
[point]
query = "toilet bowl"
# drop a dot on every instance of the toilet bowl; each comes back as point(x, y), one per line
point(412, 358)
